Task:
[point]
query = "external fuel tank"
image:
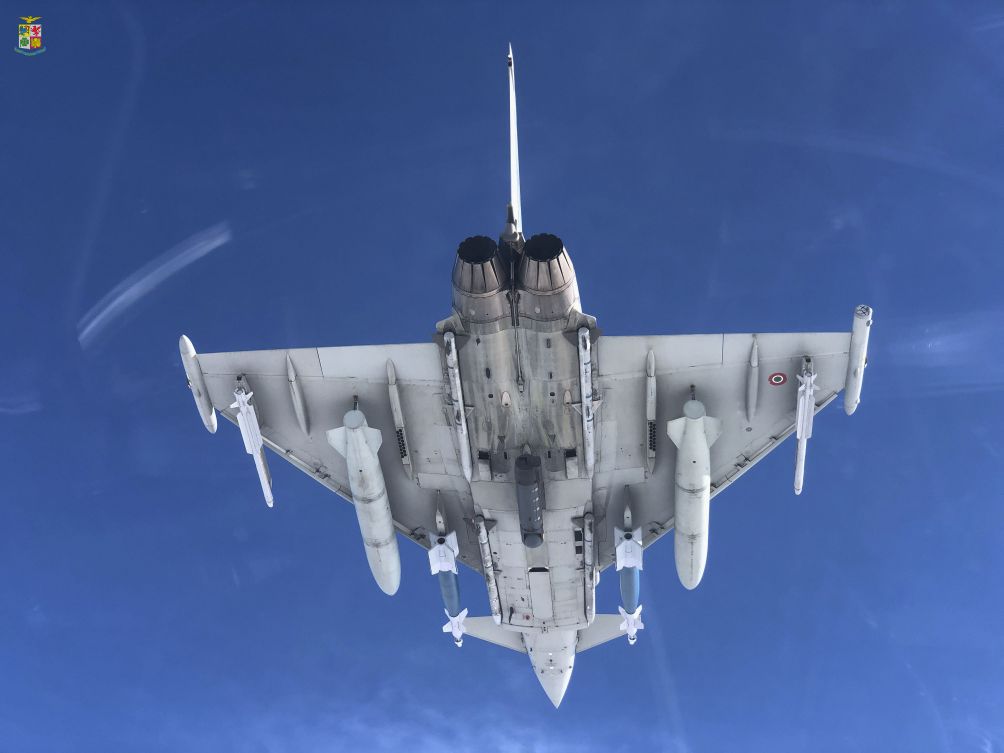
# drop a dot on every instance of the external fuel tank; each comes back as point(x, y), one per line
point(358, 444)
point(693, 434)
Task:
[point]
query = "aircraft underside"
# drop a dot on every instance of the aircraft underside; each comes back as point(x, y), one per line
point(528, 446)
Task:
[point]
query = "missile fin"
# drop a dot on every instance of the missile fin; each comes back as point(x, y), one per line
point(456, 626)
point(336, 438)
point(374, 438)
point(675, 430)
point(628, 548)
point(712, 429)
point(632, 623)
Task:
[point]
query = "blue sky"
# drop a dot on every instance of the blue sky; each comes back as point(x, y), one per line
point(711, 166)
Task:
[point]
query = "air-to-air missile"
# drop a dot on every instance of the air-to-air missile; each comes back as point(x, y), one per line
point(628, 553)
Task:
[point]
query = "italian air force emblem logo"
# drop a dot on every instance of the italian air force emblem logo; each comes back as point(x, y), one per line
point(29, 36)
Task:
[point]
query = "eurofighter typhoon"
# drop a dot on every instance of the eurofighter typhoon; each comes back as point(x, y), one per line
point(524, 444)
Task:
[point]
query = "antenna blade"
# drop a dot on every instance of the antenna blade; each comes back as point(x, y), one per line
point(514, 200)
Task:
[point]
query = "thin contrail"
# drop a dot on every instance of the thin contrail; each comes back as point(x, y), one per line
point(955, 355)
point(110, 161)
point(145, 279)
point(673, 721)
point(20, 405)
point(867, 147)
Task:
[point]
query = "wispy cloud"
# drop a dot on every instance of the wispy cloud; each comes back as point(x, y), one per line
point(868, 147)
point(144, 280)
point(673, 731)
point(961, 354)
point(19, 387)
point(989, 24)
point(20, 405)
point(113, 152)
point(389, 721)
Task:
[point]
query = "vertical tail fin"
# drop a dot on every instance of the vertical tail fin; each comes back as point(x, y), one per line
point(514, 220)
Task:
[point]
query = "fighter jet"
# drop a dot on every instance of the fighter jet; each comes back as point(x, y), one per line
point(526, 445)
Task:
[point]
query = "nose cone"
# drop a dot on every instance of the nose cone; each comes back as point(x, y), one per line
point(555, 684)
point(553, 657)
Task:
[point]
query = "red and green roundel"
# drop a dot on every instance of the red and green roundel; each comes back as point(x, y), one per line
point(777, 378)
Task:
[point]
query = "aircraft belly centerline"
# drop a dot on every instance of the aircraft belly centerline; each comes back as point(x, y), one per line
point(504, 419)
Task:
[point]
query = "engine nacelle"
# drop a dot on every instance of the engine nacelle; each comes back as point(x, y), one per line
point(480, 281)
point(547, 287)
